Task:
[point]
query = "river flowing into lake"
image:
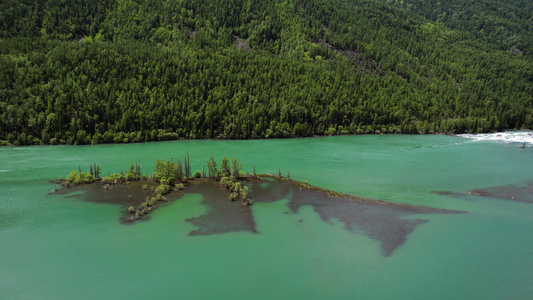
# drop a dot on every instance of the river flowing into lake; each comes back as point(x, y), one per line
point(291, 245)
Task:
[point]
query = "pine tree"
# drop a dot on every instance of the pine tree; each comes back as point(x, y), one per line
point(179, 171)
point(97, 171)
point(224, 167)
point(138, 168)
point(236, 166)
point(212, 167)
point(187, 164)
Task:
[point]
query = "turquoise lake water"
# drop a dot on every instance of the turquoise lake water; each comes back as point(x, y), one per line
point(55, 247)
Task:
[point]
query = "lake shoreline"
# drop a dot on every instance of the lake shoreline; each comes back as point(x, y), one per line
point(6, 143)
point(64, 143)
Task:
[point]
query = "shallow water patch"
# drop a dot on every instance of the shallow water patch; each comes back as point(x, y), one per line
point(379, 220)
point(507, 192)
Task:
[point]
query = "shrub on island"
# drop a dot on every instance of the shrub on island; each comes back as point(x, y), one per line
point(113, 178)
point(77, 178)
point(162, 189)
point(236, 188)
point(133, 173)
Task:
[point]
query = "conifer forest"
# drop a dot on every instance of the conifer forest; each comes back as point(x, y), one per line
point(114, 71)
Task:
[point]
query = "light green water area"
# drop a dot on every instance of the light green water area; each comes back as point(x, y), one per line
point(59, 247)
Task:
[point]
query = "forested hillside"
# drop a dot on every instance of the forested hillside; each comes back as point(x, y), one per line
point(122, 70)
point(508, 25)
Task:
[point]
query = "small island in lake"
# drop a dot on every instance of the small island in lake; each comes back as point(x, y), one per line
point(229, 193)
point(141, 194)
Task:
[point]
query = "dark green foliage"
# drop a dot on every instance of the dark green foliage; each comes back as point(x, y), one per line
point(138, 169)
point(212, 167)
point(172, 172)
point(166, 172)
point(225, 170)
point(132, 71)
point(179, 171)
point(236, 167)
point(505, 24)
point(97, 171)
point(132, 174)
point(187, 165)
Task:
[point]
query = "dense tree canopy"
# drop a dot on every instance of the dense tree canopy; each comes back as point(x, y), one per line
point(121, 71)
point(505, 24)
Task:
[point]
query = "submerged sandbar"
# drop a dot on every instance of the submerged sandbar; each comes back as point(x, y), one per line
point(510, 192)
point(507, 192)
point(379, 220)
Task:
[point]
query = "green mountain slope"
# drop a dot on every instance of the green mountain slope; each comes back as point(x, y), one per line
point(504, 24)
point(121, 71)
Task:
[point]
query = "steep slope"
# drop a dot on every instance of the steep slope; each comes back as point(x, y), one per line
point(504, 24)
point(122, 71)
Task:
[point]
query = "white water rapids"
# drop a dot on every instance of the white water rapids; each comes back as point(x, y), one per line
point(507, 137)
